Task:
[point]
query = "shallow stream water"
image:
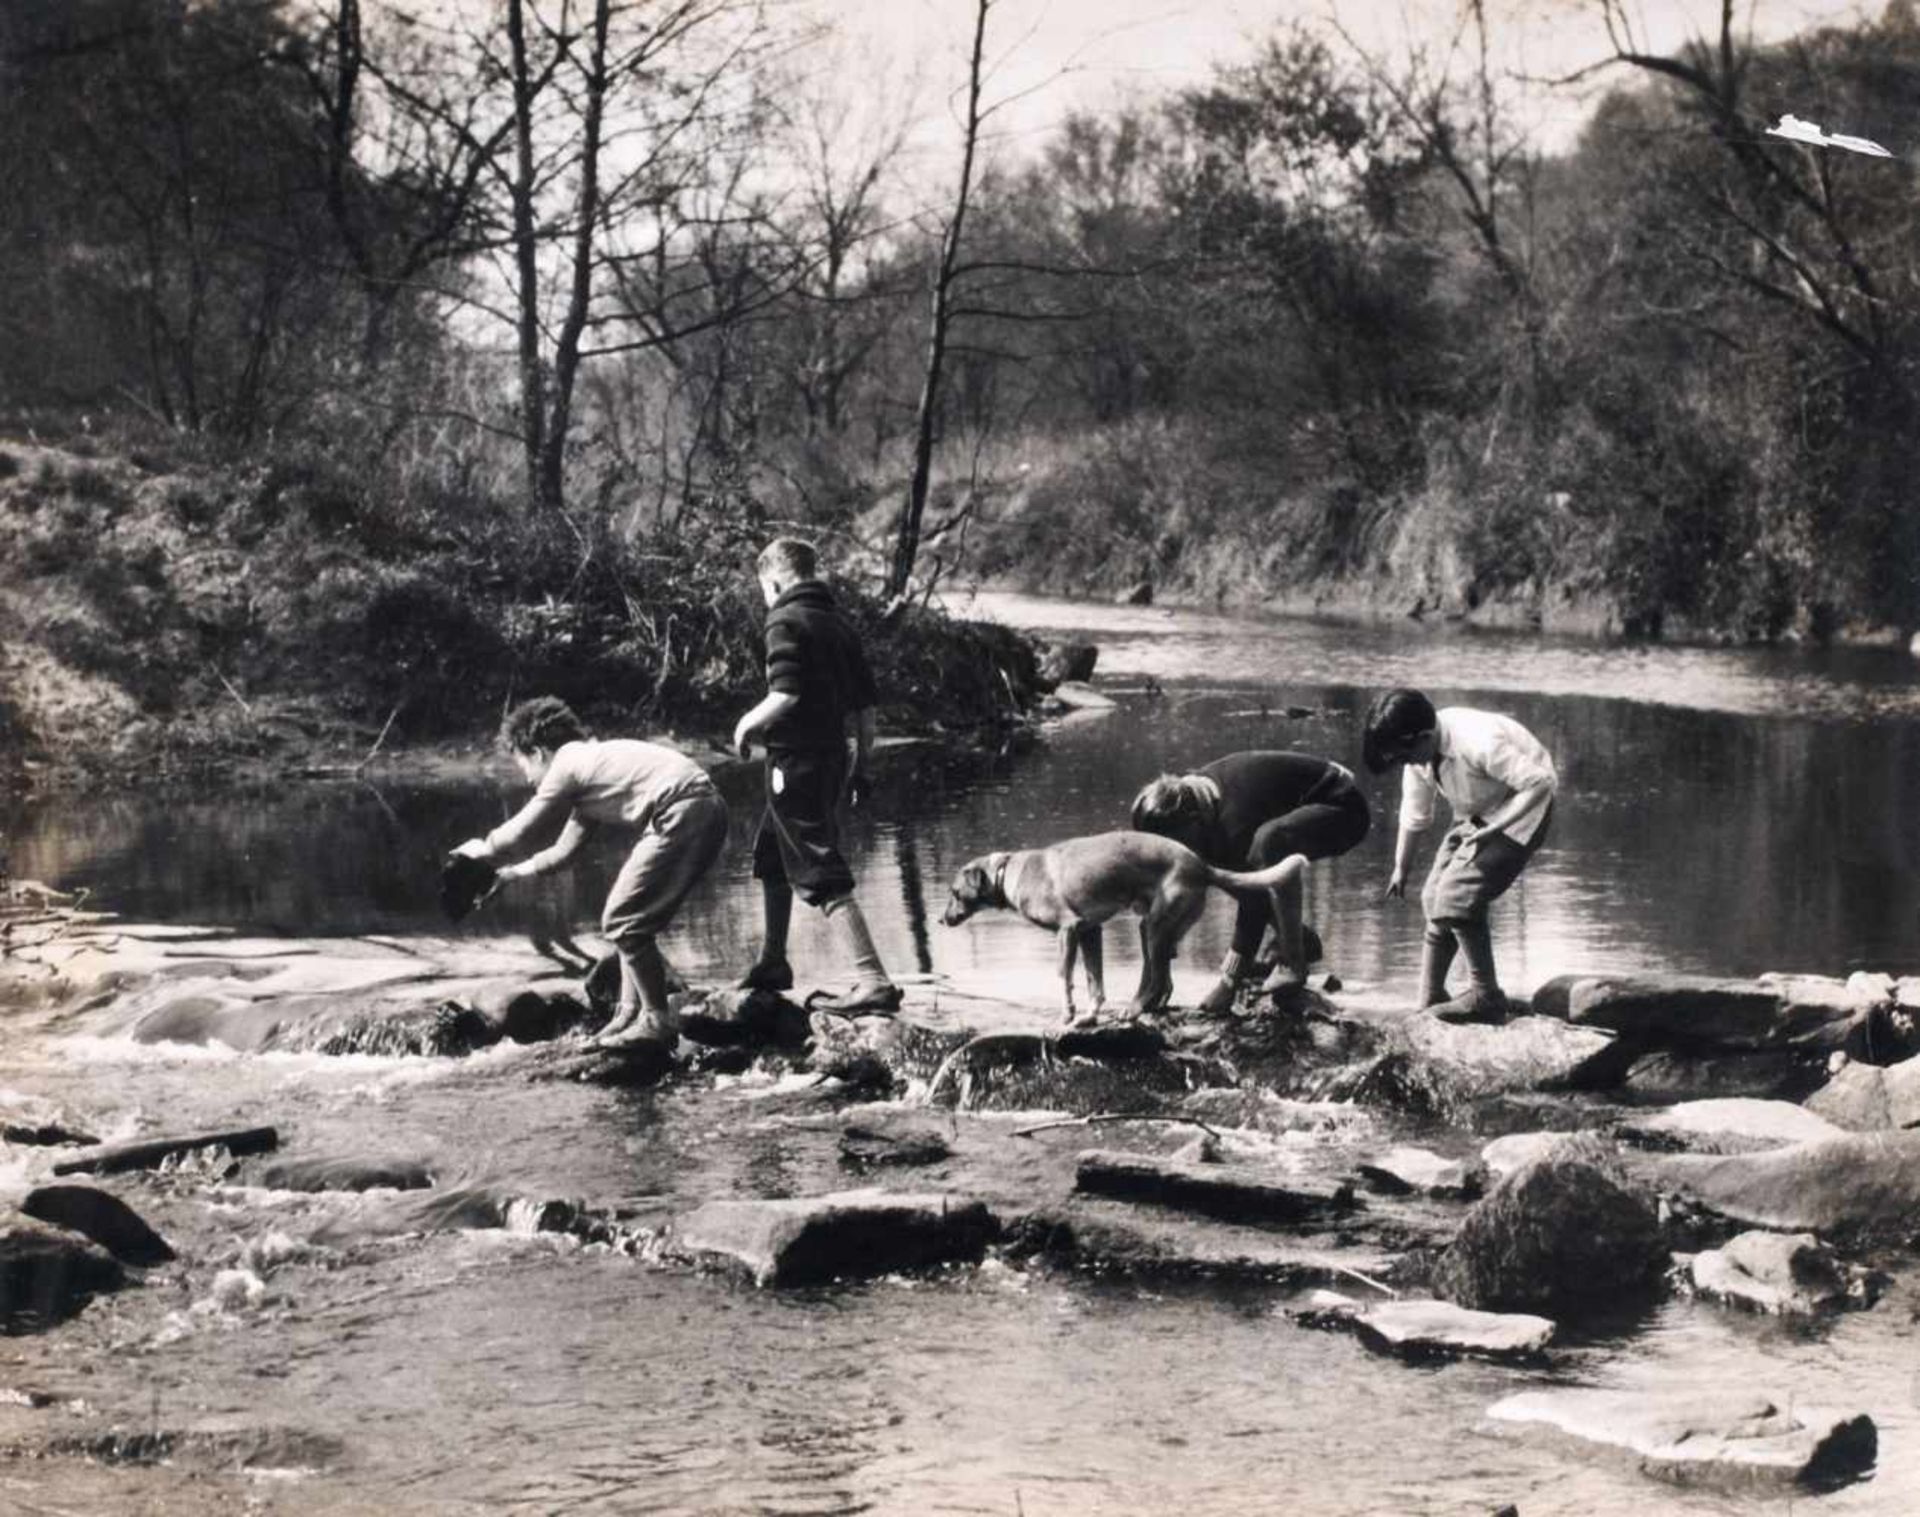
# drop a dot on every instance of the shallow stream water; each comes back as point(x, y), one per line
point(1723, 812)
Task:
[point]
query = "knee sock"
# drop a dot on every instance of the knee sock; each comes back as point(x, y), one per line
point(1436, 958)
point(776, 906)
point(856, 943)
point(1476, 942)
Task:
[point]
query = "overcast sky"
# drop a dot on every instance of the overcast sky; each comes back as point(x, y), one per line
point(1052, 56)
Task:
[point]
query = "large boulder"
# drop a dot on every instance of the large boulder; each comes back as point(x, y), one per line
point(1696, 1011)
point(1706, 1435)
point(104, 1218)
point(1870, 1097)
point(1731, 1126)
point(1865, 1184)
point(1792, 1274)
point(1563, 1236)
point(846, 1235)
point(48, 1273)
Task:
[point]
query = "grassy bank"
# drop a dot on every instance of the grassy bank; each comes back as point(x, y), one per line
point(162, 616)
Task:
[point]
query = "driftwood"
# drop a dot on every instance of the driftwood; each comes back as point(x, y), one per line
point(149, 1153)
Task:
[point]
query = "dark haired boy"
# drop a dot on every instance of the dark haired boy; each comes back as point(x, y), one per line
point(643, 788)
point(1249, 811)
point(1500, 783)
point(819, 688)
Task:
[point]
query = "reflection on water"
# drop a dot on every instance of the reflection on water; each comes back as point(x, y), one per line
point(1724, 812)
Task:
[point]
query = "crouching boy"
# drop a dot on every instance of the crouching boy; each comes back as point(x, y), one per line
point(640, 788)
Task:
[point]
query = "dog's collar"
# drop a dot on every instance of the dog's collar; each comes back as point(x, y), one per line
point(1000, 877)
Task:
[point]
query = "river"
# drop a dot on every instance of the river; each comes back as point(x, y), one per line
point(1723, 811)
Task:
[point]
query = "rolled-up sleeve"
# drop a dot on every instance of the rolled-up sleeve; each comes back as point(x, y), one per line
point(554, 797)
point(1517, 760)
point(1416, 798)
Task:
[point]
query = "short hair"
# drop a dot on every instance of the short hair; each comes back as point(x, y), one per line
point(546, 722)
point(789, 557)
point(1392, 719)
point(1173, 803)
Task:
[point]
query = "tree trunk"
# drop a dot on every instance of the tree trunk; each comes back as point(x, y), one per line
point(525, 251)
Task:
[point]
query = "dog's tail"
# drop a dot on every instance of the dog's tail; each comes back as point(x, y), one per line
point(1235, 880)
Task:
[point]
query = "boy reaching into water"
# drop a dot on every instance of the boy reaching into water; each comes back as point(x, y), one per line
point(1248, 811)
point(1500, 783)
point(819, 688)
point(637, 787)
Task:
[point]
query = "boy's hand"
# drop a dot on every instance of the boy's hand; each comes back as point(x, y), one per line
point(743, 738)
point(474, 848)
point(1397, 883)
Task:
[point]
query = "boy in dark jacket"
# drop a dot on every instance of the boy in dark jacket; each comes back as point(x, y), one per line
point(1248, 811)
point(818, 688)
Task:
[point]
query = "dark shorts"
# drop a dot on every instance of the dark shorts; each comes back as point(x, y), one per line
point(1322, 830)
point(677, 848)
point(799, 836)
point(1460, 890)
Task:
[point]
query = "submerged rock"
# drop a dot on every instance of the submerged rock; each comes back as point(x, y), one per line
point(48, 1273)
point(1563, 1236)
point(865, 1148)
point(1234, 1192)
point(1107, 1238)
point(344, 1173)
point(1666, 1075)
point(845, 1235)
point(104, 1218)
point(1729, 1126)
point(1866, 1184)
point(1791, 1274)
point(1705, 1435)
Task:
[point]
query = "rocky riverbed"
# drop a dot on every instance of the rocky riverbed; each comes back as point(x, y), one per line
point(1499, 1191)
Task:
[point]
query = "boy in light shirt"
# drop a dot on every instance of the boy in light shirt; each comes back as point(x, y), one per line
point(1500, 783)
point(654, 793)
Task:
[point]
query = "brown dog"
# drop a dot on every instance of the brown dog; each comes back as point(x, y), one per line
point(1075, 886)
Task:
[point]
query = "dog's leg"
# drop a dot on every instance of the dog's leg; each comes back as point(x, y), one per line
point(1093, 955)
point(1068, 941)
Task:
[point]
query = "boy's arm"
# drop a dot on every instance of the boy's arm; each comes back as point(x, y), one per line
point(511, 833)
point(564, 847)
point(1517, 759)
point(774, 704)
point(1416, 815)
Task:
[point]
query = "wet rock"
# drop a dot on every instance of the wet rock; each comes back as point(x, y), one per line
point(879, 1052)
point(1405, 1171)
point(846, 1235)
point(1068, 661)
point(1117, 1069)
point(536, 1013)
point(1706, 1435)
point(863, 1149)
point(1265, 1111)
point(1666, 1075)
point(1107, 1238)
point(1870, 1097)
point(340, 1173)
point(150, 1153)
point(104, 1218)
point(1426, 1329)
point(1563, 1236)
point(631, 1066)
point(745, 1019)
point(1865, 1184)
point(48, 1273)
point(460, 1208)
point(1233, 1192)
point(1731, 1126)
point(1516, 1150)
point(37, 1128)
point(1438, 1068)
point(1783, 1273)
point(1696, 1011)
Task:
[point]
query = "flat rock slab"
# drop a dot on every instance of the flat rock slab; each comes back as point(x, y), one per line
point(1871, 1097)
point(845, 1235)
point(1233, 1192)
point(1459, 1063)
point(1404, 1171)
point(1706, 1436)
point(1422, 1329)
point(1790, 1274)
point(1774, 1011)
point(1728, 1125)
point(1108, 1238)
point(1858, 1182)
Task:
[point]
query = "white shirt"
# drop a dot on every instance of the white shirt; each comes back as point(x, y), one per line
point(1484, 760)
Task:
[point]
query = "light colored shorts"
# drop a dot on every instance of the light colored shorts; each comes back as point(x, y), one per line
point(679, 845)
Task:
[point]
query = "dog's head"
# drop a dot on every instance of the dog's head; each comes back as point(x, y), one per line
point(975, 888)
